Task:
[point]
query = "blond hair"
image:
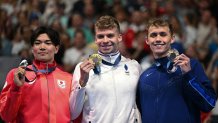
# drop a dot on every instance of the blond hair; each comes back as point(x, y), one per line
point(107, 22)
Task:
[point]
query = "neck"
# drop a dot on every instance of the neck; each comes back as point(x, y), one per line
point(45, 62)
point(109, 57)
point(42, 65)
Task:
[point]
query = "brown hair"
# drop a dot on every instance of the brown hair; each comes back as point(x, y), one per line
point(159, 22)
point(107, 22)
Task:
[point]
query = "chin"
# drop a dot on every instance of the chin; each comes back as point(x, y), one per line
point(157, 51)
point(106, 51)
point(160, 54)
point(42, 60)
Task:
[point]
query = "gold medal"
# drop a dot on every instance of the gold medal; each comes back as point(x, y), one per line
point(172, 54)
point(96, 58)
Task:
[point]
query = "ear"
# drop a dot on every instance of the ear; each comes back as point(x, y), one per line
point(120, 38)
point(56, 49)
point(172, 39)
point(146, 41)
point(32, 50)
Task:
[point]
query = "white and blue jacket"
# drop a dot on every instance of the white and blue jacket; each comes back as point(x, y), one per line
point(108, 97)
point(174, 97)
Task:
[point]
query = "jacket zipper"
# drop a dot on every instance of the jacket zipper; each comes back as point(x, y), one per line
point(48, 94)
point(157, 99)
point(115, 90)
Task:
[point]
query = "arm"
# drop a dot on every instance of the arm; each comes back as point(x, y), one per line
point(10, 98)
point(77, 95)
point(198, 88)
point(80, 78)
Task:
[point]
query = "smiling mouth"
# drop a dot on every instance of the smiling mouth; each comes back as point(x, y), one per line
point(105, 45)
point(155, 44)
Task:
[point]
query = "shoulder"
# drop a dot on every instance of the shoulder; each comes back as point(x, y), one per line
point(132, 62)
point(194, 62)
point(151, 69)
point(11, 72)
point(10, 76)
point(62, 72)
point(196, 65)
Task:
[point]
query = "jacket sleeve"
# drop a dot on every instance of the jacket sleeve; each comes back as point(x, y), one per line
point(198, 87)
point(77, 95)
point(10, 99)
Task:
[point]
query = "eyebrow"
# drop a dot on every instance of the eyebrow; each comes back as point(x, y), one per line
point(158, 33)
point(108, 35)
point(43, 40)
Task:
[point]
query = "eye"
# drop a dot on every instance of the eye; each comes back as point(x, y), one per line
point(110, 35)
point(163, 34)
point(48, 42)
point(154, 34)
point(100, 36)
point(36, 43)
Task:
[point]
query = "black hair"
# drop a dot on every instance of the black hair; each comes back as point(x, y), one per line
point(52, 34)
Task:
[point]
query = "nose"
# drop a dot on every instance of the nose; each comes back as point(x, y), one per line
point(42, 46)
point(157, 41)
point(105, 39)
point(158, 37)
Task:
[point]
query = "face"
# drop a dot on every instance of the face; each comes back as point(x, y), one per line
point(108, 40)
point(43, 49)
point(159, 40)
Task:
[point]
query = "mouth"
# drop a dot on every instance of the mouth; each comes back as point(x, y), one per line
point(105, 45)
point(158, 45)
point(42, 53)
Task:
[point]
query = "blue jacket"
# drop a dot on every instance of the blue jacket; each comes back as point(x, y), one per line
point(174, 97)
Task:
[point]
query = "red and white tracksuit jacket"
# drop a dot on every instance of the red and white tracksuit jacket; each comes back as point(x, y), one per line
point(45, 100)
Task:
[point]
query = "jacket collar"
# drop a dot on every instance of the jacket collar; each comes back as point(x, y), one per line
point(41, 65)
point(111, 58)
point(161, 61)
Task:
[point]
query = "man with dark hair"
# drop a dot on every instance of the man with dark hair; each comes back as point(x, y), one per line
point(107, 93)
point(38, 93)
point(175, 89)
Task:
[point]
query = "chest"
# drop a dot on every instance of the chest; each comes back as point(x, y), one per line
point(120, 78)
point(48, 84)
point(161, 80)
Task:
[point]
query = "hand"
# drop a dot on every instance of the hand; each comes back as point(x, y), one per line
point(19, 76)
point(183, 62)
point(85, 67)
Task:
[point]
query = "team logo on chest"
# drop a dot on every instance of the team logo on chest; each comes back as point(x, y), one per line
point(61, 83)
point(126, 69)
